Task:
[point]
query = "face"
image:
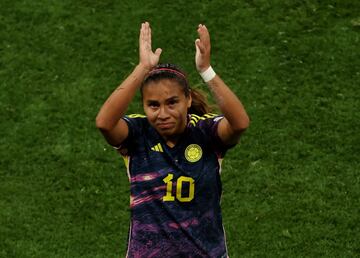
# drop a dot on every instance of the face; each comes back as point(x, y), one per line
point(165, 106)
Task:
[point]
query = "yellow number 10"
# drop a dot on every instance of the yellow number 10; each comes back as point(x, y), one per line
point(179, 184)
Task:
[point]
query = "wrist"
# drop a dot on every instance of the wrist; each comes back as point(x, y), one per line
point(142, 69)
point(208, 74)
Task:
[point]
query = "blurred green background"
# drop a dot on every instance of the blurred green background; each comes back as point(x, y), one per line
point(291, 188)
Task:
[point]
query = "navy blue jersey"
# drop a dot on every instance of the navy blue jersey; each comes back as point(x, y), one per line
point(175, 191)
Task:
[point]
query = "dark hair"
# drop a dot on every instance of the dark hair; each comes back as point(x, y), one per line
point(199, 105)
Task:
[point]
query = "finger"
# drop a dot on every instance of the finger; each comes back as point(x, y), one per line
point(145, 30)
point(200, 46)
point(197, 50)
point(204, 34)
point(149, 35)
point(196, 46)
point(158, 51)
point(141, 36)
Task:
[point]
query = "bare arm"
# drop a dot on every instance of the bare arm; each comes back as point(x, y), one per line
point(236, 119)
point(108, 120)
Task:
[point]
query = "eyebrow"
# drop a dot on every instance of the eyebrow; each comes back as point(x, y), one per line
point(166, 100)
point(152, 101)
point(172, 98)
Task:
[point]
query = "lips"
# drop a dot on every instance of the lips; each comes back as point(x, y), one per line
point(165, 126)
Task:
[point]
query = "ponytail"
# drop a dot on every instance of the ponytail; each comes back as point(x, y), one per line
point(199, 104)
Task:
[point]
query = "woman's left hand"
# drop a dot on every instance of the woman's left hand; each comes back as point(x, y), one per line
point(202, 45)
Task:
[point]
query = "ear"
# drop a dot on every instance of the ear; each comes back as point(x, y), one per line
point(189, 101)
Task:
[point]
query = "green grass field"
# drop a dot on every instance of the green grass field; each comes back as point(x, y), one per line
point(291, 188)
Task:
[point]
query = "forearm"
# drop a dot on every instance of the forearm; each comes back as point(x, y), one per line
point(229, 104)
point(116, 105)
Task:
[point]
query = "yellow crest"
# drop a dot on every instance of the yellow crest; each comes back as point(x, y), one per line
point(193, 153)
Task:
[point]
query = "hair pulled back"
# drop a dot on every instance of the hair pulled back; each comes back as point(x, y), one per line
point(199, 104)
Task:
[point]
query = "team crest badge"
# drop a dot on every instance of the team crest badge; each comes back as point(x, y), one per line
point(193, 153)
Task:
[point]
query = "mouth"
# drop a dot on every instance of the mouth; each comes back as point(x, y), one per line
point(165, 126)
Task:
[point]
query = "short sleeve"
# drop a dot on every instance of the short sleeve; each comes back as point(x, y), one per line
point(135, 124)
point(209, 123)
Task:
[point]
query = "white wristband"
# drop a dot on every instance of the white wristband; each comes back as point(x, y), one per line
point(208, 74)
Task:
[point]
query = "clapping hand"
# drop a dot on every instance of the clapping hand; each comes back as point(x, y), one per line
point(202, 45)
point(148, 58)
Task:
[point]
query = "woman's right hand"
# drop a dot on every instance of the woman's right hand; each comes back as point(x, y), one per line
point(148, 58)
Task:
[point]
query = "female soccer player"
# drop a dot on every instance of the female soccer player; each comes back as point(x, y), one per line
point(173, 154)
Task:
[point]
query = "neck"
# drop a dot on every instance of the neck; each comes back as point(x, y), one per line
point(172, 140)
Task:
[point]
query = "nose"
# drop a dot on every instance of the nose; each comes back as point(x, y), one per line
point(163, 114)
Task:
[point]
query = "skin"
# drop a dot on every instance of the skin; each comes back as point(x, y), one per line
point(115, 129)
point(165, 106)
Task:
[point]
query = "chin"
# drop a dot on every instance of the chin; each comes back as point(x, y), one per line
point(168, 133)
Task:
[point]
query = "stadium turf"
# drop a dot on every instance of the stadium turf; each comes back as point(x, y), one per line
point(291, 188)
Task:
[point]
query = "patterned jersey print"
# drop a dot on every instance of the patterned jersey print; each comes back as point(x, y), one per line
point(175, 192)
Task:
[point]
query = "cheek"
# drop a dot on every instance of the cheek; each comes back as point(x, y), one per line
point(150, 114)
point(180, 113)
point(184, 108)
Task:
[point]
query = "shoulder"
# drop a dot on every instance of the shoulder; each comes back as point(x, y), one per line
point(205, 120)
point(137, 124)
point(207, 126)
point(134, 117)
point(135, 120)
